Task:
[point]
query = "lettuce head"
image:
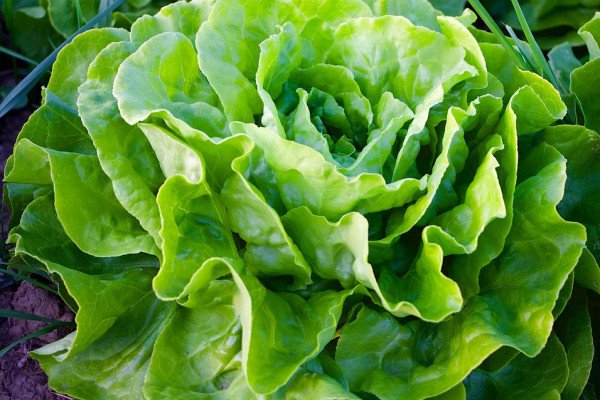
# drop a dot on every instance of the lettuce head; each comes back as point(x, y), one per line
point(287, 199)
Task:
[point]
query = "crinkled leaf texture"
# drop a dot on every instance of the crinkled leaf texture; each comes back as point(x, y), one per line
point(298, 199)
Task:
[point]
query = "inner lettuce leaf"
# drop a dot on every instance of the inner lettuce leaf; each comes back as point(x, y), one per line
point(304, 199)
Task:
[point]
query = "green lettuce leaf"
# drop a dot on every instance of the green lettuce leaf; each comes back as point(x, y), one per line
point(575, 332)
point(542, 377)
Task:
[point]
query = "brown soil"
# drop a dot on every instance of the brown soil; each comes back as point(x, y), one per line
point(21, 377)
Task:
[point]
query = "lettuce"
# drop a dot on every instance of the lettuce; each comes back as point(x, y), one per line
point(285, 199)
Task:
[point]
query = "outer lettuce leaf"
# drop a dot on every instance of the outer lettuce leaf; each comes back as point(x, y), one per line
point(587, 272)
point(177, 17)
point(32, 238)
point(575, 332)
point(541, 377)
point(563, 62)
point(64, 14)
point(590, 33)
point(584, 85)
point(101, 301)
point(125, 351)
point(57, 128)
point(582, 77)
point(68, 76)
point(67, 135)
point(187, 97)
point(517, 120)
point(268, 362)
point(202, 360)
point(565, 293)
point(19, 195)
point(544, 187)
point(98, 223)
point(66, 18)
point(121, 284)
point(88, 209)
point(456, 393)
point(124, 154)
point(418, 365)
point(579, 146)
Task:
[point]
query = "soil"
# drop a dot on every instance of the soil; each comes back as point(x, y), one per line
point(21, 377)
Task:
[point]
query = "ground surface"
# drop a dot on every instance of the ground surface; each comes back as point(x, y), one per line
point(21, 377)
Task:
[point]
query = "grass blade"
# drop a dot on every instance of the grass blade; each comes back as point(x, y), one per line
point(23, 315)
point(515, 38)
point(79, 14)
point(491, 24)
point(101, 7)
point(31, 79)
point(17, 55)
point(537, 52)
point(43, 331)
point(29, 268)
point(51, 43)
point(28, 279)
